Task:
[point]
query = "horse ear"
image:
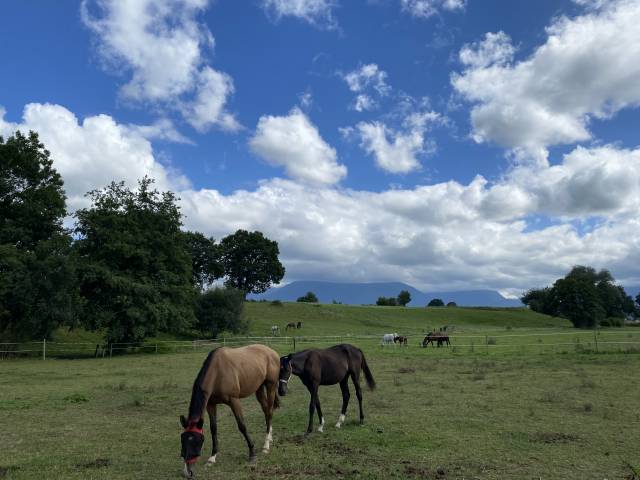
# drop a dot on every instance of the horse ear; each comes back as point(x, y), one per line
point(289, 356)
point(200, 423)
point(183, 421)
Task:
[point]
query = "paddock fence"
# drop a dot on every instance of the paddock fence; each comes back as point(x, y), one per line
point(614, 340)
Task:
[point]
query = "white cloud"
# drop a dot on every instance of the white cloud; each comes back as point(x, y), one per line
point(294, 142)
point(314, 12)
point(162, 45)
point(397, 155)
point(442, 236)
point(397, 150)
point(587, 68)
point(365, 79)
point(364, 102)
point(92, 153)
point(428, 8)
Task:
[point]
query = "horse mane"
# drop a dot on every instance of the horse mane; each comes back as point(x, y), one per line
point(198, 396)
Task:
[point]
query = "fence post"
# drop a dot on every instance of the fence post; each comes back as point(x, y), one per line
point(110, 350)
point(486, 343)
point(595, 338)
point(156, 348)
point(294, 344)
point(44, 349)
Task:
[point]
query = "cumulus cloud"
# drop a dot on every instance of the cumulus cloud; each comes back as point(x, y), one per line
point(587, 68)
point(428, 8)
point(442, 236)
point(163, 46)
point(294, 143)
point(396, 150)
point(314, 12)
point(393, 151)
point(91, 153)
point(365, 79)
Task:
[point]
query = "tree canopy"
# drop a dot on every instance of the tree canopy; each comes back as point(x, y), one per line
point(435, 302)
point(206, 264)
point(309, 297)
point(584, 296)
point(404, 297)
point(136, 271)
point(38, 289)
point(250, 261)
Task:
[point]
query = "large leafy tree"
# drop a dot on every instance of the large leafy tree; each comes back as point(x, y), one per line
point(205, 259)
point(38, 289)
point(251, 261)
point(136, 271)
point(584, 296)
point(404, 297)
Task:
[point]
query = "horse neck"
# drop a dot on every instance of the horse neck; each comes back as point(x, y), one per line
point(201, 391)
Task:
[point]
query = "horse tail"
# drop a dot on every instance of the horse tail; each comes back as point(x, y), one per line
point(371, 383)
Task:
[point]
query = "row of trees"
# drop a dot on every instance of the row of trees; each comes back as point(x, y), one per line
point(403, 298)
point(586, 297)
point(126, 267)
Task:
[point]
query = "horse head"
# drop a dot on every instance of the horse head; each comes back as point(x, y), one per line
point(285, 374)
point(192, 439)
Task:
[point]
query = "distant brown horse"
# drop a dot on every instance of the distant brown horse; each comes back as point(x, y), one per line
point(434, 338)
point(227, 375)
point(290, 325)
point(328, 366)
point(401, 339)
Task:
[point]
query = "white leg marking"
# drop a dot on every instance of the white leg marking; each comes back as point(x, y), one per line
point(321, 427)
point(340, 421)
point(185, 472)
point(267, 441)
point(211, 460)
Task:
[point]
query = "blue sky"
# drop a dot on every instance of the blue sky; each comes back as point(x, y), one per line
point(445, 143)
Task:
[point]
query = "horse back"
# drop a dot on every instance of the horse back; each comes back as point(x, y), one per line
point(239, 372)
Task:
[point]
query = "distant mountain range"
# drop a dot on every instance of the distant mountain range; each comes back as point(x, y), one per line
point(368, 293)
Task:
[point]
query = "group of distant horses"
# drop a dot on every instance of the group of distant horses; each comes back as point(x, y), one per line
point(229, 374)
point(275, 329)
point(434, 338)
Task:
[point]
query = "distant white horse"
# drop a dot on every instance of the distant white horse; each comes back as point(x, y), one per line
point(388, 338)
point(275, 329)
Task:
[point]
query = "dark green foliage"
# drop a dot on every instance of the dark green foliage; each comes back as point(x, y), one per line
point(612, 322)
point(221, 310)
point(251, 261)
point(387, 301)
point(452, 304)
point(436, 302)
point(205, 259)
point(309, 297)
point(38, 288)
point(404, 297)
point(584, 296)
point(136, 272)
point(540, 300)
point(276, 303)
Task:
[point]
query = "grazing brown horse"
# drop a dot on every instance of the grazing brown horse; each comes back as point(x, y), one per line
point(332, 365)
point(299, 325)
point(401, 339)
point(434, 338)
point(226, 376)
point(290, 325)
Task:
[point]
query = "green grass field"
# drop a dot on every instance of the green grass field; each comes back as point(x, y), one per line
point(472, 411)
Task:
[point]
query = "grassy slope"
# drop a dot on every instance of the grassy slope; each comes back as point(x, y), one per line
point(365, 320)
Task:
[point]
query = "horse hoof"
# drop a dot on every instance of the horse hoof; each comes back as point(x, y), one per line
point(211, 461)
point(338, 425)
point(265, 450)
point(253, 459)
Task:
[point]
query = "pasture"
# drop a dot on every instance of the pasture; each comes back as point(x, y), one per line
point(463, 412)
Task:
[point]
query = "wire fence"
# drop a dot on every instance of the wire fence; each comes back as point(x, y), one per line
point(624, 340)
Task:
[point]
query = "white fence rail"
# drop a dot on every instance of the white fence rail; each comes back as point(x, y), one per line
point(581, 340)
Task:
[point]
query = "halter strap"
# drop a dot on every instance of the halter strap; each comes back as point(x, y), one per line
point(193, 428)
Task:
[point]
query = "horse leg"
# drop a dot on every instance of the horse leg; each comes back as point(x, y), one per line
point(236, 408)
point(355, 377)
point(263, 396)
point(313, 390)
point(344, 387)
point(320, 416)
point(213, 424)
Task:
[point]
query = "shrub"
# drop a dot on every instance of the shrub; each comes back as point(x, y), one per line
point(436, 302)
point(386, 301)
point(221, 309)
point(310, 297)
point(276, 303)
point(452, 304)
